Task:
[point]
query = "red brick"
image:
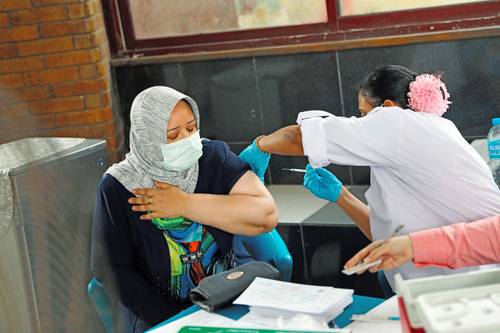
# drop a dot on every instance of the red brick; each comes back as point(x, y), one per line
point(57, 105)
point(73, 58)
point(36, 15)
point(105, 129)
point(43, 46)
point(15, 110)
point(88, 71)
point(102, 68)
point(6, 5)
point(72, 118)
point(104, 114)
point(95, 22)
point(93, 7)
point(104, 51)
point(11, 80)
point(4, 20)
point(51, 76)
point(64, 28)
point(97, 100)
point(83, 117)
point(112, 142)
point(94, 70)
point(99, 37)
point(38, 3)
point(77, 11)
point(25, 94)
point(46, 121)
point(7, 51)
point(74, 131)
point(80, 87)
point(15, 34)
point(82, 41)
point(24, 64)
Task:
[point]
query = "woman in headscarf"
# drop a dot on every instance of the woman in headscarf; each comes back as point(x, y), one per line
point(194, 194)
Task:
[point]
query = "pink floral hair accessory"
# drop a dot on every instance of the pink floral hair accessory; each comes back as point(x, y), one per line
point(428, 94)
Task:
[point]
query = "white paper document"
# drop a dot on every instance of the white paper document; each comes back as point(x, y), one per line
point(273, 298)
point(198, 318)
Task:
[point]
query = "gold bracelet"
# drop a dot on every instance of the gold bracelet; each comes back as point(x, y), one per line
point(257, 139)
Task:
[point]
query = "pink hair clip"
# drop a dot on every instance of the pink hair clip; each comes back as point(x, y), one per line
point(428, 94)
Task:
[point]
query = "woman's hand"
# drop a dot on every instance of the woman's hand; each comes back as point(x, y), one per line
point(393, 252)
point(322, 183)
point(164, 200)
point(258, 160)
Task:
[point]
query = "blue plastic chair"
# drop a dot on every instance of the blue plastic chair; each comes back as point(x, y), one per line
point(268, 247)
point(102, 302)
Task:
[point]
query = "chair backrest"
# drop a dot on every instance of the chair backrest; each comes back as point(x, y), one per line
point(268, 247)
point(102, 302)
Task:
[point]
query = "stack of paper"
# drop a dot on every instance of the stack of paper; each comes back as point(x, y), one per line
point(274, 299)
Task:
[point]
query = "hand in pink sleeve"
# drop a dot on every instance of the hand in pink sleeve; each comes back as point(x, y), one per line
point(458, 245)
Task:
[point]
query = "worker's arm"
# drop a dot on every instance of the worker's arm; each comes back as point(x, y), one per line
point(356, 210)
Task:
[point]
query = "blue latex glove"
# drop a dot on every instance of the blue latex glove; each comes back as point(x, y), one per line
point(322, 183)
point(257, 160)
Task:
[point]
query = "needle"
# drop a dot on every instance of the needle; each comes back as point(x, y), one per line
point(294, 170)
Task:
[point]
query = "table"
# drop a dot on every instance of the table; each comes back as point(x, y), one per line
point(360, 305)
point(388, 308)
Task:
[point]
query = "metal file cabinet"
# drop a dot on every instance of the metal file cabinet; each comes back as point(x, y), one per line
point(47, 192)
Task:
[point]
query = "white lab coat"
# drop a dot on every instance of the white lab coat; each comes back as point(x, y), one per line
point(423, 173)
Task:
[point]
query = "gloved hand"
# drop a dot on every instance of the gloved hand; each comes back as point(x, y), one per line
point(257, 160)
point(322, 183)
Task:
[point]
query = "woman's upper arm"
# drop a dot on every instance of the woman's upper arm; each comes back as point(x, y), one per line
point(250, 184)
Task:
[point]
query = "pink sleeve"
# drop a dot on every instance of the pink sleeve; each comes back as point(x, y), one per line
point(458, 245)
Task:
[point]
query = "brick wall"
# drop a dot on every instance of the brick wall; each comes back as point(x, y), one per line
point(54, 72)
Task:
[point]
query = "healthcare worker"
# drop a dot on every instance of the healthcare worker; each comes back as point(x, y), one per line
point(423, 173)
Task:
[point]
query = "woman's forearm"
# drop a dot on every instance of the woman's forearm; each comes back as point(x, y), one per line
point(356, 210)
point(237, 213)
point(285, 141)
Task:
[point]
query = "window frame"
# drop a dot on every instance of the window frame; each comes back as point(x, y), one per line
point(123, 42)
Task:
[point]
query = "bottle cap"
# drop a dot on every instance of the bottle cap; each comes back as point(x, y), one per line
point(495, 121)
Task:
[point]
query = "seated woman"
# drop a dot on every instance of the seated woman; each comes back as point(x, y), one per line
point(195, 194)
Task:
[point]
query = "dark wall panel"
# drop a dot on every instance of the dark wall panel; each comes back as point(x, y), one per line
point(240, 99)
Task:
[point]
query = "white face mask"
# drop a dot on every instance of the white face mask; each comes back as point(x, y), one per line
point(183, 154)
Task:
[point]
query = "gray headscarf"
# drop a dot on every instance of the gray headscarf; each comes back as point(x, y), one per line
point(149, 117)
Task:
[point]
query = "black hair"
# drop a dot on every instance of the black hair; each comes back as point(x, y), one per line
point(387, 82)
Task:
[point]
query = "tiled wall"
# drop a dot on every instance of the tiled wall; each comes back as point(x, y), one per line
point(242, 98)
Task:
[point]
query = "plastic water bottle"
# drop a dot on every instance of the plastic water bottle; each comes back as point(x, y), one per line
point(494, 149)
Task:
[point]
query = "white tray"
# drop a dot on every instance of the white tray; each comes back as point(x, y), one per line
point(412, 290)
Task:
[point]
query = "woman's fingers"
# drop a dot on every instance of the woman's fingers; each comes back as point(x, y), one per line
point(144, 192)
point(376, 268)
point(378, 251)
point(146, 217)
point(323, 172)
point(138, 200)
point(358, 257)
point(141, 208)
